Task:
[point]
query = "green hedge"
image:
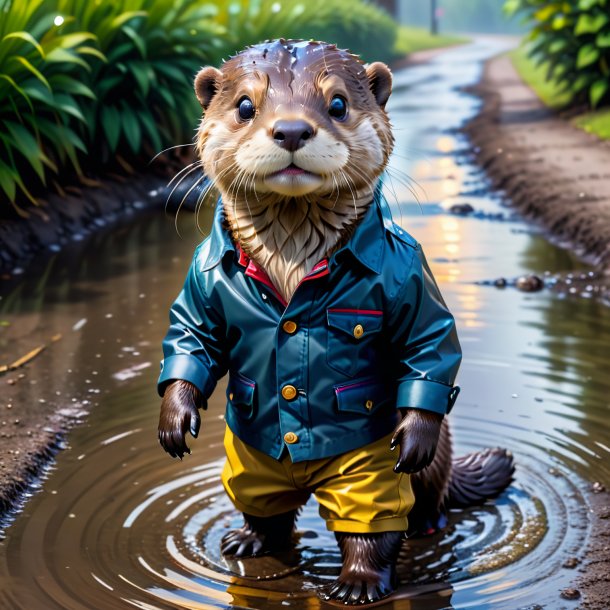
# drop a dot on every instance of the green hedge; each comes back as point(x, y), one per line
point(572, 40)
point(84, 83)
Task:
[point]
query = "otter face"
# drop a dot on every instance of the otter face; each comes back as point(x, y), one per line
point(294, 119)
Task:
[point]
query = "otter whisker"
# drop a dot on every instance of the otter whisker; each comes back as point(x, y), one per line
point(189, 167)
point(191, 170)
point(182, 201)
point(168, 149)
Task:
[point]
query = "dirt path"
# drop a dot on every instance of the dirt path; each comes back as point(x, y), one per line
point(552, 172)
point(558, 176)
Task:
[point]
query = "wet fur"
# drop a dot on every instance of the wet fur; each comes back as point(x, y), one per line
point(287, 235)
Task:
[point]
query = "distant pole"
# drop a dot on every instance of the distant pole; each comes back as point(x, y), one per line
point(433, 18)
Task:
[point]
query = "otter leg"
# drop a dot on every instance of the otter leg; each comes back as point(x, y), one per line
point(368, 572)
point(260, 535)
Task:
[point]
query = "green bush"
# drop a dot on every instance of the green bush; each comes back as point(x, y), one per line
point(85, 82)
point(143, 78)
point(356, 25)
point(572, 40)
point(40, 88)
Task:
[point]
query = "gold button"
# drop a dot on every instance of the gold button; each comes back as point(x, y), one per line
point(289, 392)
point(369, 404)
point(358, 331)
point(289, 327)
point(231, 396)
point(290, 438)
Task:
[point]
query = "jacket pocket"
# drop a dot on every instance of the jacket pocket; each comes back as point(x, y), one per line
point(353, 336)
point(364, 396)
point(240, 395)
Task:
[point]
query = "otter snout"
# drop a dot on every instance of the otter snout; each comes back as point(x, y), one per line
point(292, 134)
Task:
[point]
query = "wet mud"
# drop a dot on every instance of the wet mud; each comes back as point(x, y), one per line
point(552, 172)
point(116, 523)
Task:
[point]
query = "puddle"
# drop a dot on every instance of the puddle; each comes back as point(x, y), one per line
point(118, 524)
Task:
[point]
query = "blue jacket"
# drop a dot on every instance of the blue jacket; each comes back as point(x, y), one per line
point(366, 332)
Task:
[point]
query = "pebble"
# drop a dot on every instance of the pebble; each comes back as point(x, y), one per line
point(461, 209)
point(570, 594)
point(598, 487)
point(500, 282)
point(570, 563)
point(529, 283)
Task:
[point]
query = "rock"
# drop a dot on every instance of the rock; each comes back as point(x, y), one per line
point(570, 563)
point(500, 282)
point(598, 488)
point(529, 283)
point(461, 209)
point(570, 594)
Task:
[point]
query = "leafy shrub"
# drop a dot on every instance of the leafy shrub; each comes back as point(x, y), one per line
point(356, 25)
point(572, 39)
point(40, 88)
point(150, 51)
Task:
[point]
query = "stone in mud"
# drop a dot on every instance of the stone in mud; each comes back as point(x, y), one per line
point(529, 283)
point(500, 282)
point(571, 563)
point(598, 487)
point(570, 594)
point(461, 209)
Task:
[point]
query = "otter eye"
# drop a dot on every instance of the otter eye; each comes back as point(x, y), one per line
point(338, 108)
point(245, 108)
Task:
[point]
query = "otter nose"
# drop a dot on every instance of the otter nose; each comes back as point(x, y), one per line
point(292, 135)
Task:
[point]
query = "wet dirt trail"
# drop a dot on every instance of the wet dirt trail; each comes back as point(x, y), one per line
point(118, 524)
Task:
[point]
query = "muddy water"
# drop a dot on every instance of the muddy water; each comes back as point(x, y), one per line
point(118, 524)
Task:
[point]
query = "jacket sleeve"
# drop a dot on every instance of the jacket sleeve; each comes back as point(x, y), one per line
point(425, 341)
point(193, 346)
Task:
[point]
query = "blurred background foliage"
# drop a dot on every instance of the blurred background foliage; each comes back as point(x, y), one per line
point(85, 83)
point(466, 16)
point(569, 43)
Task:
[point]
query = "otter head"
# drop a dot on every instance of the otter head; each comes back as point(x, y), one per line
point(294, 131)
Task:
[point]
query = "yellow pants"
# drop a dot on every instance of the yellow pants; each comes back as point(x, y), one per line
point(358, 491)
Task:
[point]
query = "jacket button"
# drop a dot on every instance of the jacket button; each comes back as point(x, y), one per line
point(291, 438)
point(289, 392)
point(289, 327)
point(369, 404)
point(358, 331)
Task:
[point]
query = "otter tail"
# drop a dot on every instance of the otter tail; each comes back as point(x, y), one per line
point(456, 482)
point(479, 476)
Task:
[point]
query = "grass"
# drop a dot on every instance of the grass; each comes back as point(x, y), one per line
point(535, 77)
point(410, 40)
point(595, 122)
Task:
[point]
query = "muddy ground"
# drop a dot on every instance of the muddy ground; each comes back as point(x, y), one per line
point(552, 172)
point(559, 177)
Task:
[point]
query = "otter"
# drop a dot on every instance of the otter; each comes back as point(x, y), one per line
point(338, 344)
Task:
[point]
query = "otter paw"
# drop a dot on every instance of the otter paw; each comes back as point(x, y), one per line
point(243, 542)
point(357, 591)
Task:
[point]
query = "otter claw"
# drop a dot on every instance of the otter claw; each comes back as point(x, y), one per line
point(361, 592)
point(238, 543)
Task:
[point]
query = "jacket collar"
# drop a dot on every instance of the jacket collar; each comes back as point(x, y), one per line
point(367, 244)
point(219, 239)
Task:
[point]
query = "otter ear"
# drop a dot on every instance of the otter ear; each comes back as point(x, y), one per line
point(207, 83)
point(380, 82)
